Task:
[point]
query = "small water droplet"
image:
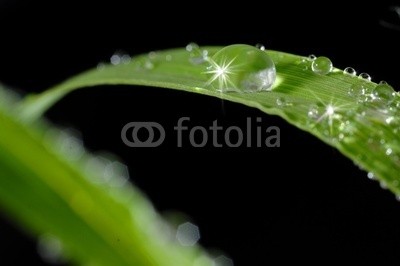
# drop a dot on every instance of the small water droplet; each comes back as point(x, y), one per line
point(101, 66)
point(304, 63)
point(192, 47)
point(356, 91)
point(223, 261)
point(120, 57)
point(383, 91)
point(398, 197)
point(107, 170)
point(371, 176)
point(383, 184)
point(117, 174)
point(203, 260)
point(71, 145)
point(197, 56)
point(125, 59)
point(148, 64)
point(260, 46)
point(95, 169)
point(314, 112)
point(241, 68)
point(153, 55)
point(389, 151)
point(281, 102)
point(188, 234)
point(365, 76)
point(322, 65)
point(115, 59)
point(350, 71)
point(50, 249)
point(67, 142)
point(311, 57)
point(168, 57)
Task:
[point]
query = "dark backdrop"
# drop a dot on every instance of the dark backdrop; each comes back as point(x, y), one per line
point(302, 201)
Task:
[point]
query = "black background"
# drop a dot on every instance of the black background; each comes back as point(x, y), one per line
point(302, 201)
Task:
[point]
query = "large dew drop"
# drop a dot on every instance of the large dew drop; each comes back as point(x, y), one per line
point(241, 68)
point(322, 65)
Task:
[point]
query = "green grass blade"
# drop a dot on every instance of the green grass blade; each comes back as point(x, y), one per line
point(361, 132)
point(96, 224)
point(366, 133)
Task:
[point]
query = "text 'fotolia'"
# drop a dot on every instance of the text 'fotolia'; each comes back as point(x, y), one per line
point(153, 134)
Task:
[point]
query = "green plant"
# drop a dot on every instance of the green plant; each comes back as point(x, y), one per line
point(350, 113)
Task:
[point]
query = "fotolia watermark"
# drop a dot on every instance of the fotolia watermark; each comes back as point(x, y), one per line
point(152, 134)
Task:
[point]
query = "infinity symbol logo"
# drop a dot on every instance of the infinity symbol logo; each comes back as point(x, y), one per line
point(149, 127)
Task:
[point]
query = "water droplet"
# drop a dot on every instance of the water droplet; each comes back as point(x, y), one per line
point(67, 142)
point(260, 46)
point(304, 63)
point(152, 55)
point(71, 145)
point(281, 102)
point(197, 56)
point(125, 59)
point(311, 57)
point(314, 112)
point(192, 47)
point(120, 57)
point(203, 260)
point(116, 173)
point(50, 249)
point(383, 184)
point(95, 169)
point(148, 64)
point(115, 59)
point(106, 169)
point(350, 71)
point(322, 65)
point(356, 91)
point(389, 151)
point(223, 261)
point(241, 68)
point(371, 176)
point(101, 66)
point(383, 91)
point(188, 234)
point(168, 57)
point(365, 76)
point(398, 197)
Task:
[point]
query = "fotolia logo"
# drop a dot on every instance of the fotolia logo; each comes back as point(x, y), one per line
point(152, 134)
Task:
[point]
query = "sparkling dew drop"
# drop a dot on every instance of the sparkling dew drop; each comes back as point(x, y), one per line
point(241, 68)
point(322, 65)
